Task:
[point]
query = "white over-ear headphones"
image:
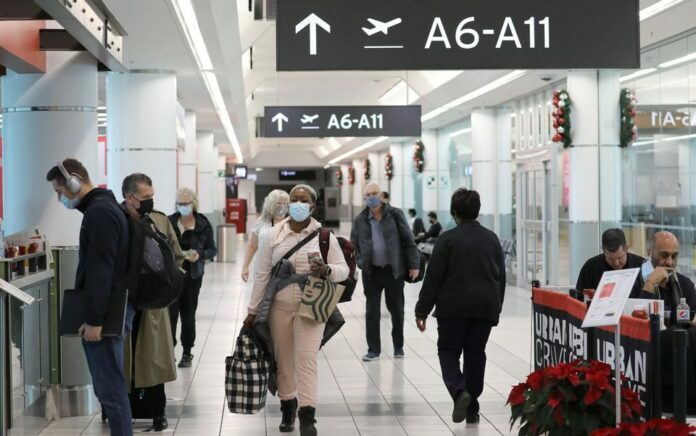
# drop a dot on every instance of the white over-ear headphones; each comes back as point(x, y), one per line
point(72, 181)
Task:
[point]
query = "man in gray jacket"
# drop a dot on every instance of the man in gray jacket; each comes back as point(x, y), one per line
point(386, 253)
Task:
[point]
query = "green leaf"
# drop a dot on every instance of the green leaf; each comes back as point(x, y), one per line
point(592, 422)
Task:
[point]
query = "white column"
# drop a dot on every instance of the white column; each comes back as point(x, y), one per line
point(396, 185)
point(373, 158)
point(188, 163)
point(358, 187)
point(345, 187)
point(34, 140)
point(484, 145)
point(141, 132)
point(408, 175)
point(219, 181)
point(379, 173)
point(595, 161)
point(503, 177)
point(430, 172)
point(207, 168)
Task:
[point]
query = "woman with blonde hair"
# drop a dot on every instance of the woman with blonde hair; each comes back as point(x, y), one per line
point(275, 209)
point(196, 239)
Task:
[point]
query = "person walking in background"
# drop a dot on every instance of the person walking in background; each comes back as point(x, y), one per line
point(195, 236)
point(103, 257)
point(296, 340)
point(384, 245)
point(417, 225)
point(150, 347)
point(275, 209)
point(465, 282)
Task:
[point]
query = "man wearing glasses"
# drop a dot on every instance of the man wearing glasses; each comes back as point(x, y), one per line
point(385, 248)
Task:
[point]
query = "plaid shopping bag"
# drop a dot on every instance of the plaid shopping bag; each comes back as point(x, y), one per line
point(246, 376)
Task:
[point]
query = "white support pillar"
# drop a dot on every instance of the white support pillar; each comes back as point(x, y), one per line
point(595, 162)
point(141, 132)
point(373, 158)
point(430, 172)
point(396, 184)
point(484, 145)
point(48, 117)
point(207, 167)
point(358, 187)
point(188, 162)
point(408, 176)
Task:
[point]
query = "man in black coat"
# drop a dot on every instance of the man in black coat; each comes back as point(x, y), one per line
point(614, 256)
point(465, 282)
point(102, 259)
point(386, 252)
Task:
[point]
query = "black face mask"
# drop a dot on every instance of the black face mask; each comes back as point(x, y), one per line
point(146, 206)
point(432, 222)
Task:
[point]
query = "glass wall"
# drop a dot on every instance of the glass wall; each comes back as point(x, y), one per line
point(659, 169)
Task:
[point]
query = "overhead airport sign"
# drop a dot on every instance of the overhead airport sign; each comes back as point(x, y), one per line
point(445, 34)
point(328, 121)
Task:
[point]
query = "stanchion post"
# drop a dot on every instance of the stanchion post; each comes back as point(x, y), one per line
point(617, 372)
point(679, 365)
point(654, 365)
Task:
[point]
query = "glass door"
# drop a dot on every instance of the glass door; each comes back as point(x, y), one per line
point(533, 189)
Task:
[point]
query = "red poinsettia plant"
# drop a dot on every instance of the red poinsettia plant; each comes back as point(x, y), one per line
point(654, 427)
point(351, 176)
point(339, 177)
point(574, 398)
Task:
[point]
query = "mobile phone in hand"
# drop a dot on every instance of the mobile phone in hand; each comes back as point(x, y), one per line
point(314, 258)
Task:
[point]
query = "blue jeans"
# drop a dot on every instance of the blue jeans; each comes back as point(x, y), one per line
point(105, 361)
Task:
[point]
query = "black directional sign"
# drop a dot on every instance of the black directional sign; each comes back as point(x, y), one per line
point(451, 34)
point(327, 121)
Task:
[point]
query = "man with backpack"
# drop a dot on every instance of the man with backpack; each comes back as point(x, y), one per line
point(150, 345)
point(102, 259)
point(386, 253)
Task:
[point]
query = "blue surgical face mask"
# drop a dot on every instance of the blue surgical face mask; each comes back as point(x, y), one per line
point(70, 203)
point(299, 211)
point(373, 202)
point(185, 210)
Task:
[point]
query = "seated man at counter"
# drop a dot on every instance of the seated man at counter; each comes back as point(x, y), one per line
point(433, 231)
point(614, 256)
point(667, 284)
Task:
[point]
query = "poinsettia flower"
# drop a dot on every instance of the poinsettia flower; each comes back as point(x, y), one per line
point(558, 416)
point(554, 399)
point(593, 395)
point(516, 396)
point(535, 379)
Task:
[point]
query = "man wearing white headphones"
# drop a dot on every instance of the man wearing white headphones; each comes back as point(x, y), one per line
point(103, 256)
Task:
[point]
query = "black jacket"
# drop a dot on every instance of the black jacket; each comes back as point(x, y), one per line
point(465, 276)
point(103, 254)
point(667, 294)
point(402, 251)
point(592, 270)
point(200, 239)
point(418, 227)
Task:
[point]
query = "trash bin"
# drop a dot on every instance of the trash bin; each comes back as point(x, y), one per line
point(227, 243)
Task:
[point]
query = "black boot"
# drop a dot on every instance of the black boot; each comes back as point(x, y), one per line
point(307, 421)
point(289, 409)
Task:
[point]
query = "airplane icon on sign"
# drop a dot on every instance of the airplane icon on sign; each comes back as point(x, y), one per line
point(308, 119)
point(379, 26)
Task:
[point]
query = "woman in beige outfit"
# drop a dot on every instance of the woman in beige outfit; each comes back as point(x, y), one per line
point(296, 340)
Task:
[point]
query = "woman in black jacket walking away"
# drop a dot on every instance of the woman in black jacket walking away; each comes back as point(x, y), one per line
point(196, 240)
point(465, 282)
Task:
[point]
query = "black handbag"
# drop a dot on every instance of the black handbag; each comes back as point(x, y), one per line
point(421, 271)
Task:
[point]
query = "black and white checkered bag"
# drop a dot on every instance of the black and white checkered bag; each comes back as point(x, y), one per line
point(246, 376)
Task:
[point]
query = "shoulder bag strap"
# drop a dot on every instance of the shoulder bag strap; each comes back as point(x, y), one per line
point(324, 238)
point(301, 244)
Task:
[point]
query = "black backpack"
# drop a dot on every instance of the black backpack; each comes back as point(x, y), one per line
point(153, 279)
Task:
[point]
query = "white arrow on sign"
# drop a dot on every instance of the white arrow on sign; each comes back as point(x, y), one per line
point(313, 21)
point(280, 118)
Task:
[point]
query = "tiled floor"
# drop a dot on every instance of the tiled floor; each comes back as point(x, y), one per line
point(386, 397)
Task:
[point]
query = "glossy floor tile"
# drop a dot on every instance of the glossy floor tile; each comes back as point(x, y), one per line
point(383, 398)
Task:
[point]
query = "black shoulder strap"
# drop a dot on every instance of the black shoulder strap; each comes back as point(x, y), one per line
point(301, 244)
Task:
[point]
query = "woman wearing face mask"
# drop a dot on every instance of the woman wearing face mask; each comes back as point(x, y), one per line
point(195, 236)
point(275, 209)
point(296, 340)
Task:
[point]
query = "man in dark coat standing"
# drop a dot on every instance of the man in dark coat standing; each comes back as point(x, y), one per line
point(386, 253)
point(465, 282)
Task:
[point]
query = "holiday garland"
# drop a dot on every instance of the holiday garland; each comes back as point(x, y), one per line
point(629, 130)
point(388, 166)
point(339, 177)
point(419, 156)
point(561, 118)
point(351, 176)
point(366, 169)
